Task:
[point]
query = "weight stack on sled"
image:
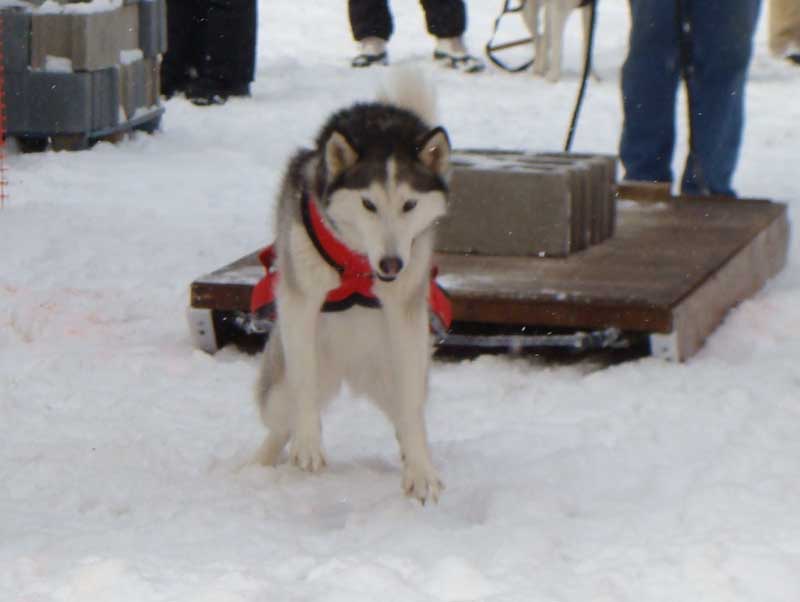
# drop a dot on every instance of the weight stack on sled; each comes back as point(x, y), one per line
point(519, 204)
point(82, 71)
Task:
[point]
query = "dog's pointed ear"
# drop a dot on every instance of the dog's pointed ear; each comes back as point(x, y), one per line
point(339, 154)
point(434, 151)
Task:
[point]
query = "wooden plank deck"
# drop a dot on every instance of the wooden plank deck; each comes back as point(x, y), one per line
point(672, 269)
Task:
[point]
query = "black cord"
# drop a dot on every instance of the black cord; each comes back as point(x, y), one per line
point(587, 67)
point(490, 49)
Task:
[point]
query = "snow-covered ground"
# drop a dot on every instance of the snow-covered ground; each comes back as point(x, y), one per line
point(123, 450)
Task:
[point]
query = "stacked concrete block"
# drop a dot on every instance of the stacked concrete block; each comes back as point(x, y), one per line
point(518, 204)
point(82, 70)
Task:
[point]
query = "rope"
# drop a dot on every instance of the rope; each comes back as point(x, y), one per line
point(587, 67)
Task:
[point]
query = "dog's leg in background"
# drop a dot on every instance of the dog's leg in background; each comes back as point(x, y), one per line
point(557, 14)
point(535, 12)
point(410, 355)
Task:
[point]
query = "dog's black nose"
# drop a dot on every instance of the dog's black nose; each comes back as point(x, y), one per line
point(390, 266)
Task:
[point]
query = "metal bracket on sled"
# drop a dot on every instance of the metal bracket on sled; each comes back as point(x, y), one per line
point(201, 329)
point(610, 338)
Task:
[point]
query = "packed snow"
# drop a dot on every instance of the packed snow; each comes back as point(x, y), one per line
point(124, 454)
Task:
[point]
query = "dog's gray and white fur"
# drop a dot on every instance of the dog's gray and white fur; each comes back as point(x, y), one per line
point(378, 174)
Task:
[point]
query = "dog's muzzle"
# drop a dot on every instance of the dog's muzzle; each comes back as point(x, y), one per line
point(389, 268)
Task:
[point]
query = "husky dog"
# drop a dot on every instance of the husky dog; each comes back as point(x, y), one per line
point(550, 40)
point(375, 183)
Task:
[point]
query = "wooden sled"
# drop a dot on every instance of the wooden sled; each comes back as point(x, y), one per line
point(670, 273)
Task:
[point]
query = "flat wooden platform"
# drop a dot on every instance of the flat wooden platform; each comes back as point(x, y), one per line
point(672, 270)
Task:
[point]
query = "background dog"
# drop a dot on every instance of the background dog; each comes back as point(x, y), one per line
point(549, 38)
point(377, 180)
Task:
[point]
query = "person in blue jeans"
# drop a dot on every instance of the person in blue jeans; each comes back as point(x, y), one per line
point(708, 44)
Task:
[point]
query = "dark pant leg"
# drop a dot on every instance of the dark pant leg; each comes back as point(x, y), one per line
point(181, 56)
point(650, 79)
point(229, 42)
point(720, 49)
point(445, 18)
point(370, 19)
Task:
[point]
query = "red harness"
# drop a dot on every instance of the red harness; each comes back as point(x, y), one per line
point(355, 275)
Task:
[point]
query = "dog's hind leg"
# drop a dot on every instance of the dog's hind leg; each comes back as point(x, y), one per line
point(273, 403)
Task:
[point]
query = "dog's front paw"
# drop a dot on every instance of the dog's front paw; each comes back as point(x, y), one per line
point(422, 482)
point(306, 453)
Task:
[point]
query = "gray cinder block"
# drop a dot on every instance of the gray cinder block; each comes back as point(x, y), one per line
point(580, 184)
point(36, 104)
point(510, 210)
point(46, 104)
point(153, 27)
point(16, 38)
point(490, 206)
point(91, 41)
point(591, 204)
point(605, 169)
point(139, 86)
point(105, 100)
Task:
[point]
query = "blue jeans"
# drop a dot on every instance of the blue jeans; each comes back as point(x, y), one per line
point(716, 51)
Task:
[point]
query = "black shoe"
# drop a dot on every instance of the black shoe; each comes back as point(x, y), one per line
point(465, 62)
point(367, 60)
point(794, 58)
point(204, 91)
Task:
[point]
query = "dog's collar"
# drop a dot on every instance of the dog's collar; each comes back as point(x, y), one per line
point(356, 276)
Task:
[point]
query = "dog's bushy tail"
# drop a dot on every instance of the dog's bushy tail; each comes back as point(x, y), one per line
point(412, 89)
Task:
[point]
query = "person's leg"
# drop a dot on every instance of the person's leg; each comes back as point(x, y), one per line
point(720, 47)
point(372, 26)
point(370, 19)
point(178, 61)
point(446, 20)
point(229, 43)
point(650, 78)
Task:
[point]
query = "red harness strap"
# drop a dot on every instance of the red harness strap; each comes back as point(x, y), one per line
point(355, 275)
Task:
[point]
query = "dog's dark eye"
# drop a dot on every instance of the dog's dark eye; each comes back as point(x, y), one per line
point(409, 206)
point(369, 205)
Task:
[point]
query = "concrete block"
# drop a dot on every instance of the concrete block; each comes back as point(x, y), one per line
point(105, 100)
point(606, 174)
point(591, 207)
point(580, 180)
point(508, 210)
point(16, 107)
point(16, 38)
point(91, 41)
point(592, 201)
point(139, 86)
point(36, 103)
point(41, 103)
point(153, 27)
point(582, 184)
